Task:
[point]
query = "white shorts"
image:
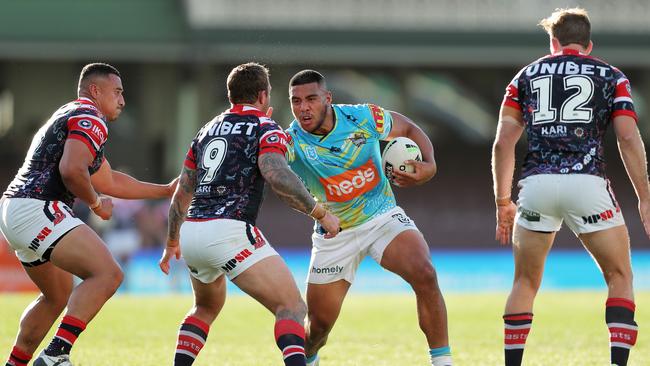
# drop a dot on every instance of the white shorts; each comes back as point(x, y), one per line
point(586, 202)
point(339, 257)
point(33, 227)
point(214, 247)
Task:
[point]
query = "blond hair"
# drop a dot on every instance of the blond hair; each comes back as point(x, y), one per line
point(569, 26)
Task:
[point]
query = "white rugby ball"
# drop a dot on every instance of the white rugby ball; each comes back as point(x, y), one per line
point(396, 153)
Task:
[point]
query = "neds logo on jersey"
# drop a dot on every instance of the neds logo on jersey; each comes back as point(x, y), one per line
point(351, 184)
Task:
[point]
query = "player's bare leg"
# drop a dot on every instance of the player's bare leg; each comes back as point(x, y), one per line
point(55, 285)
point(530, 249)
point(408, 256)
point(271, 284)
point(82, 253)
point(611, 250)
point(324, 303)
point(193, 333)
point(209, 299)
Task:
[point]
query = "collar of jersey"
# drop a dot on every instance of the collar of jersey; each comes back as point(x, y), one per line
point(320, 138)
point(242, 109)
point(569, 51)
point(85, 100)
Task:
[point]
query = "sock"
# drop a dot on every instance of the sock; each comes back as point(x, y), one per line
point(191, 339)
point(516, 329)
point(69, 329)
point(18, 357)
point(619, 315)
point(440, 356)
point(290, 338)
point(311, 361)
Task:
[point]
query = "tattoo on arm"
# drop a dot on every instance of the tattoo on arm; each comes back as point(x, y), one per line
point(180, 202)
point(285, 183)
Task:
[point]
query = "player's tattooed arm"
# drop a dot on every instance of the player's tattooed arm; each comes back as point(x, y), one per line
point(180, 202)
point(285, 183)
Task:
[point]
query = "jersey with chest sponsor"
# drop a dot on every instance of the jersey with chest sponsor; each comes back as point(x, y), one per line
point(567, 102)
point(224, 154)
point(39, 176)
point(343, 168)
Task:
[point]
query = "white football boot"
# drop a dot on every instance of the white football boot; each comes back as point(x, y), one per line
point(313, 363)
point(45, 360)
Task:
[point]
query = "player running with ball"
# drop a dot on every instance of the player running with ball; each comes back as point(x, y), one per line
point(334, 148)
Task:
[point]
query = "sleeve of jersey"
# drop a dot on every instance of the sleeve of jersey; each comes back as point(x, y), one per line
point(89, 129)
point(190, 159)
point(291, 152)
point(272, 138)
point(382, 121)
point(511, 98)
point(623, 104)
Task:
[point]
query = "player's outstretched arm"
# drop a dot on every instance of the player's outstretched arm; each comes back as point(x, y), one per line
point(286, 184)
point(74, 172)
point(121, 185)
point(423, 170)
point(177, 213)
point(509, 130)
point(632, 152)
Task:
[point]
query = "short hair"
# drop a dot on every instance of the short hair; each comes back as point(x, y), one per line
point(306, 77)
point(246, 81)
point(97, 69)
point(569, 26)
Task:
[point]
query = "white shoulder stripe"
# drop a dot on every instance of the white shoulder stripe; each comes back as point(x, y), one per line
point(271, 132)
point(621, 80)
point(95, 145)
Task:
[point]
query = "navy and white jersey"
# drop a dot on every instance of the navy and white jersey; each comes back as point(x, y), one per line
point(224, 154)
point(39, 176)
point(567, 102)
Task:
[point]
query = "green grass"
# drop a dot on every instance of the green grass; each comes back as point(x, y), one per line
point(373, 330)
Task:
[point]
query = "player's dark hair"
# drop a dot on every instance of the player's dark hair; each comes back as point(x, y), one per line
point(569, 26)
point(97, 69)
point(246, 81)
point(307, 77)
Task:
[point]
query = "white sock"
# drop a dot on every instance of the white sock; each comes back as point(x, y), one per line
point(441, 361)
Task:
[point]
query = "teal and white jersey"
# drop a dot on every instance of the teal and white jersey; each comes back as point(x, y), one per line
point(343, 168)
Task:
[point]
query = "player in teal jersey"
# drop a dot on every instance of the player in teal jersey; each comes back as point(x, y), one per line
point(334, 148)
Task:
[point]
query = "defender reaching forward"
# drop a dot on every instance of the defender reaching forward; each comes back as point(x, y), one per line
point(565, 102)
point(334, 148)
point(66, 160)
point(222, 183)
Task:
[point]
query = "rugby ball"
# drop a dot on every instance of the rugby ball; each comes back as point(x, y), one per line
point(396, 153)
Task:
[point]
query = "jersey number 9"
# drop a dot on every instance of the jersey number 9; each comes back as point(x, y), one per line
point(213, 156)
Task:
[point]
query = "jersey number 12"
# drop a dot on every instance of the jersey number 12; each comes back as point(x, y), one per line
point(573, 108)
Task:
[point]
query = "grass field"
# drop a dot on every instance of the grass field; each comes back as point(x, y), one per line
point(373, 330)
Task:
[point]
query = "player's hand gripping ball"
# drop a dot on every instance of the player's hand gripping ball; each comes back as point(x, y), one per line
point(396, 153)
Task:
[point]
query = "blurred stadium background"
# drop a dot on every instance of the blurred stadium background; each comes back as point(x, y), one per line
point(444, 63)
